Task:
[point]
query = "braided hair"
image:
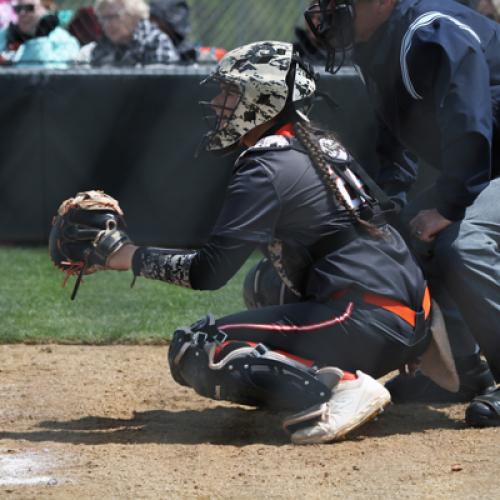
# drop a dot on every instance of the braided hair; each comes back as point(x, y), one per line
point(306, 136)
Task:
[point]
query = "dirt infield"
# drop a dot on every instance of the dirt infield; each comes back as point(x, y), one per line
point(109, 422)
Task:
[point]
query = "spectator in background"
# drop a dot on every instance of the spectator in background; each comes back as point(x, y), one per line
point(490, 8)
point(7, 14)
point(84, 26)
point(64, 15)
point(172, 17)
point(36, 39)
point(129, 39)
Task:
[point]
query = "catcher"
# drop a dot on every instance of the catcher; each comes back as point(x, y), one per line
point(361, 305)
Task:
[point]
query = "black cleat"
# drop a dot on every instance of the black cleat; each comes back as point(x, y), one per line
point(418, 388)
point(484, 411)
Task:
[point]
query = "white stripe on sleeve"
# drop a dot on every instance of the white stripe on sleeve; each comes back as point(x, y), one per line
point(421, 22)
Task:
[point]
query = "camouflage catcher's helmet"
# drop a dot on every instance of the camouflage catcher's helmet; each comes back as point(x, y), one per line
point(266, 76)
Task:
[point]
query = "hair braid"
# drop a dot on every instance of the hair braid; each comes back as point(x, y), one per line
point(330, 177)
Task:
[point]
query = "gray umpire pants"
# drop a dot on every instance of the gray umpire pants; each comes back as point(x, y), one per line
point(463, 269)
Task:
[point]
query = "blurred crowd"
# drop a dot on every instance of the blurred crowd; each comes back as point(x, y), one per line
point(490, 8)
point(123, 33)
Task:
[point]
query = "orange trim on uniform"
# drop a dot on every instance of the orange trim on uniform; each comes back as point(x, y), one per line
point(426, 303)
point(398, 308)
point(218, 348)
point(286, 130)
point(339, 294)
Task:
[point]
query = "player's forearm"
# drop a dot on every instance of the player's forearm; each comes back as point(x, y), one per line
point(122, 260)
point(398, 168)
point(208, 268)
point(165, 265)
point(466, 172)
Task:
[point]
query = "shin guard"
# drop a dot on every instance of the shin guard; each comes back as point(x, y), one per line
point(250, 375)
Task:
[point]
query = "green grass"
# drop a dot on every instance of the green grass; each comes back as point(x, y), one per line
point(34, 308)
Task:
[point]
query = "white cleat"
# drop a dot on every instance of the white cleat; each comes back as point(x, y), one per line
point(353, 403)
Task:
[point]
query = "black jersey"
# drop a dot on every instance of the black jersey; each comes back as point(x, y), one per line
point(277, 200)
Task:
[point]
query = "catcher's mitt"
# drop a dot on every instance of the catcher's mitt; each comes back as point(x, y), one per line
point(86, 231)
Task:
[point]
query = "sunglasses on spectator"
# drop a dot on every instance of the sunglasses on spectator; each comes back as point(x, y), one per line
point(26, 7)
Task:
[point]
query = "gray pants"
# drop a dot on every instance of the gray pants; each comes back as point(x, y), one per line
point(463, 268)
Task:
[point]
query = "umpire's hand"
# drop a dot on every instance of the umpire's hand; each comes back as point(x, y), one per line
point(427, 224)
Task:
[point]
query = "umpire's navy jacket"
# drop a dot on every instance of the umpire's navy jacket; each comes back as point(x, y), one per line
point(433, 75)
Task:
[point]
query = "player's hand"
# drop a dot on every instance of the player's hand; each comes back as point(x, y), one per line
point(122, 260)
point(427, 224)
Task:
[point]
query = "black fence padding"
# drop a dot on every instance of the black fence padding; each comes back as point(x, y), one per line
point(132, 134)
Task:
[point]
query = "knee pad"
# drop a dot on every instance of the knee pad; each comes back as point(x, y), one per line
point(203, 358)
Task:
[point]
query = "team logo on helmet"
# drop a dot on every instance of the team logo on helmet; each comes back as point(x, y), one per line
point(258, 73)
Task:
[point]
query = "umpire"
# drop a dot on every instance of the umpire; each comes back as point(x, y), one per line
point(432, 73)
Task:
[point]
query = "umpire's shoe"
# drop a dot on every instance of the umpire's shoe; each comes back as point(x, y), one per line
point(484, 411)
point(475, 379)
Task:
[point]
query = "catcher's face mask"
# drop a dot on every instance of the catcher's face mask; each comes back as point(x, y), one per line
point(219, 112)
point(254, 90)
point(332, 23)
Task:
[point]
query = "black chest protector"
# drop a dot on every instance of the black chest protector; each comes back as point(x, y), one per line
point(292, 262)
